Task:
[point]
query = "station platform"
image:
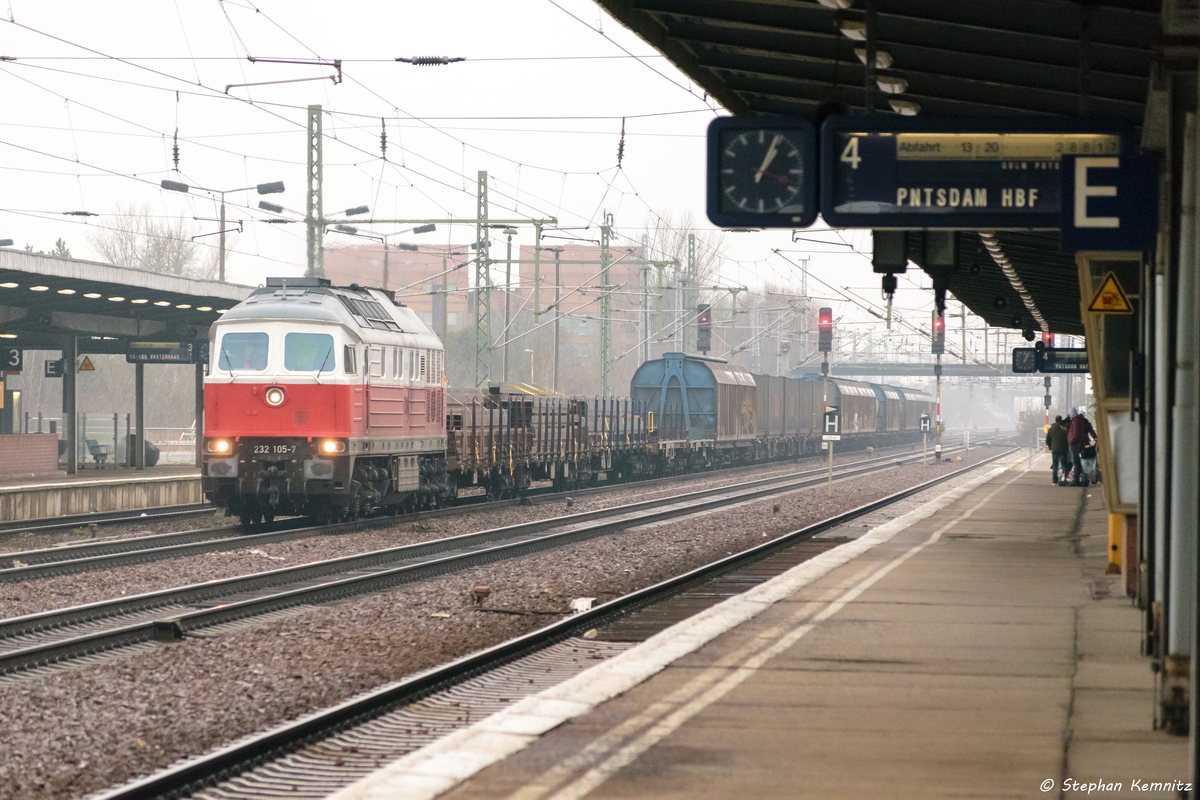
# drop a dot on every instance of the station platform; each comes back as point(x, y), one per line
point(92, 490)
point(971, 648)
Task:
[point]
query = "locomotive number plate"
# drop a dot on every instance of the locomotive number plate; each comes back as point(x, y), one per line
point(274, 449)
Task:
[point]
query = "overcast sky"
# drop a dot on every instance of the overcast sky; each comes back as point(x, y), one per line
point(96, 93)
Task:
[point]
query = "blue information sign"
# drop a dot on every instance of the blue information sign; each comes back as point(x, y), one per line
point(12, 359)
point(954, 173)
point(1109, 202)
point(1050, 359)
point(1063, 359)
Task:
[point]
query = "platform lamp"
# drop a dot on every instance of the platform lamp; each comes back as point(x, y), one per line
point(263, 188)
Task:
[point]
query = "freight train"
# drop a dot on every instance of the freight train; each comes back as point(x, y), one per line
point(331, 402)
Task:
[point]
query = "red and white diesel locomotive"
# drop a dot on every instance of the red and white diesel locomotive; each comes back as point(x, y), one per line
point(323, 401)
point(329, 402)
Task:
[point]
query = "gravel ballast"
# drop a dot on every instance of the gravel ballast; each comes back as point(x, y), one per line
point(84, 729)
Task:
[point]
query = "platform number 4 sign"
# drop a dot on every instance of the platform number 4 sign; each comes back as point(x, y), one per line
point(13, 359)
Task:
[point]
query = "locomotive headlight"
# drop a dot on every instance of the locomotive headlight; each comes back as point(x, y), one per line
point(329, 446)
point(221, 447)
point(274, 396)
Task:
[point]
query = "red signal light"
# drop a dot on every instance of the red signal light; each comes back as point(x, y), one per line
point(704, 327)
point(1048, 338)
point(824, 330)
point(938, 334)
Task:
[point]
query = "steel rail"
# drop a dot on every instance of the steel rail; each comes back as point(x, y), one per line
point(43, 524)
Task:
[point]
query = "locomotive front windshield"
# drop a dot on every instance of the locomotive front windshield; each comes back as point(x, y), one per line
point(244, 351)
point(308, 352)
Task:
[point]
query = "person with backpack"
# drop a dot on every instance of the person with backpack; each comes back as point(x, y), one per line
point(1060, 452)
point(1079, 435)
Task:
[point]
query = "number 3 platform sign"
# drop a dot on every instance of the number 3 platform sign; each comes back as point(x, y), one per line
point(12, 359)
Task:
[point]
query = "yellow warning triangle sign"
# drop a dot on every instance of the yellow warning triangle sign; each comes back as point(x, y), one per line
point(86, 365)
point(1111, 298)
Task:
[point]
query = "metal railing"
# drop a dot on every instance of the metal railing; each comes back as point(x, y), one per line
point(111, 430)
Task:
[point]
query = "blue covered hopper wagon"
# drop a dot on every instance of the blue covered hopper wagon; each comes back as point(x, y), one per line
point(704, 412)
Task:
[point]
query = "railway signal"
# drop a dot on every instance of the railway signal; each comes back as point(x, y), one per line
point(938, 337)
point(704, 327)
point(824, 330)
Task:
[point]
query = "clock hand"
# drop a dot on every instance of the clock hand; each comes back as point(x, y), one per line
point(771, 151)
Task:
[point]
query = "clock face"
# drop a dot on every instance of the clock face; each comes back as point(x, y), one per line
point(762, 172)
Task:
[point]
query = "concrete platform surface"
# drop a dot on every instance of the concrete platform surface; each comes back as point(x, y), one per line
point(959, 651)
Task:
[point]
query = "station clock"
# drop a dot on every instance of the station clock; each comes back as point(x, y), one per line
point(762, 172)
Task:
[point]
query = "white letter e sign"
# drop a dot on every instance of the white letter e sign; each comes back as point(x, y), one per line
point(1083, 191)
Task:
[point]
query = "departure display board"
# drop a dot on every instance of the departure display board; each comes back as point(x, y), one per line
point(174, 352)
point(1063, 359)
point(1050, 359)
point(961, 173)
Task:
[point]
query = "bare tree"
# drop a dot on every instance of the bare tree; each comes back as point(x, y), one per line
point(669, 240)
point(137, 238)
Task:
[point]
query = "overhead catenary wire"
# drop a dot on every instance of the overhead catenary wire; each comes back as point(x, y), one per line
point(411, 178)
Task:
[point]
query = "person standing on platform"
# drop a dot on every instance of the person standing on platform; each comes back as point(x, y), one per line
point(1079, 436)
point(1060, 452)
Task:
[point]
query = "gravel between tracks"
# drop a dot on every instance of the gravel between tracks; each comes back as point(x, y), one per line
point(81, 730)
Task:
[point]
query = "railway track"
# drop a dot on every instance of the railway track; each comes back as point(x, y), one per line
point(35, 641)
point(25, 565)
point(329, 749)
point(13, 528)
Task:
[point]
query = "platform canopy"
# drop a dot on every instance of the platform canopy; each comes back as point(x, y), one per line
point(1089, 58)
point(44, 299)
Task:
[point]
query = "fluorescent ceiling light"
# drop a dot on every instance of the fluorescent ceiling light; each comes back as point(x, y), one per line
point(855, 29)
point(883, 59)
